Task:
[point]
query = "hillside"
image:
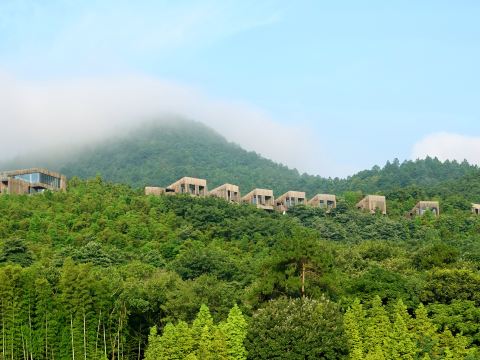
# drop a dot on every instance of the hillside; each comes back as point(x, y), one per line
point(104, 258)
point(160, 153)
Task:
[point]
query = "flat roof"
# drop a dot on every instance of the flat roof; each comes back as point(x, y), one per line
point(190, 180)
point(257, 191)
point(427, 203)
point(291, 193)
point(226, 186)
point(325, 196)
point(11, 173)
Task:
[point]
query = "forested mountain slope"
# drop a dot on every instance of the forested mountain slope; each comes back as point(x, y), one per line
point(160, 153)
point(88, 272)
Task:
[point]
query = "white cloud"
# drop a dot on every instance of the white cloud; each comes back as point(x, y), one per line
point(449, 146)
point(35, 115)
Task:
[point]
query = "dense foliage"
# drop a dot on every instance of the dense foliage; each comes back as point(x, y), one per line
point(89, 272)
point(376, 334)
point(202, 340)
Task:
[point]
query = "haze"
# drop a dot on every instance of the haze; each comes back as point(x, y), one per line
point(327, 88)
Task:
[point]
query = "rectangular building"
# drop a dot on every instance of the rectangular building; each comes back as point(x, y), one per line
point(30, 181)
point(290, 199)
point(189, 185)
point(326, 201)
point(476, 209)
point(373, 203)
point(228, 192)
point(424, 206)
point(154, 190)
point(261, 198)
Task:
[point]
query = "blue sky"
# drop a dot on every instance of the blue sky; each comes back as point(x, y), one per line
point(366, 81)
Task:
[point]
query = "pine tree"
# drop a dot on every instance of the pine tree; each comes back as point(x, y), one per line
point(168, 344)
point(235, 330)
point(377, 330)
point(425, 333)
point(403, 344)
point(205, 345)
point(204, 318)
point(153, 349)
point(455, 346)
point(220, 345)
point(185, 341)
point(354, 320)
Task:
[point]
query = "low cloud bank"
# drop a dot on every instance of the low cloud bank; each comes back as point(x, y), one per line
point(448, 146)
point(41, 114)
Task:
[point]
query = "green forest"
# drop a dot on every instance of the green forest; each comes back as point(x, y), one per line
point(161, 152)
point(104, 272)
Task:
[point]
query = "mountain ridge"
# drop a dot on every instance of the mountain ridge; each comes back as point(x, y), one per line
point(158, 153)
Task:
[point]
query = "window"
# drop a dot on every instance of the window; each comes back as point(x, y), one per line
point(31, 178)
point(40, 178)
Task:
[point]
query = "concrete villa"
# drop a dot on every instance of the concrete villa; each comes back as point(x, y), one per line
point(261, 198)
point(188, 185)
point(37, 180)
point(31, 181)
point(373, 203)
point(326, 201)
point(289, 199)
point(154, 190)
point(228, 192)
point(476, 209)
point(424, 206)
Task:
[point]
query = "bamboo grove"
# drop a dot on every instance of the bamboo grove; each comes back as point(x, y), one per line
point(104, 272)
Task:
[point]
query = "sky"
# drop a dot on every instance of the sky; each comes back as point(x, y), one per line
point(328, 87)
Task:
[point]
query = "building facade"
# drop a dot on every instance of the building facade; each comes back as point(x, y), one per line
point(373, 203)
point(228, 192)
point(290, 199)
point(476, 209)
point(31, 181)
point(189, 185)
point(424, 206)
point(261, 198)
point(154, 190)
point(326, 201)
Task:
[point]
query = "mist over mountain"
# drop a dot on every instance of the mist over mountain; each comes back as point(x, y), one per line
point(158, 153)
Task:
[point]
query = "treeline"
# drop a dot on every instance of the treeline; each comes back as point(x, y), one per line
point(159, 153)
point(202, 340)
point(89, 273)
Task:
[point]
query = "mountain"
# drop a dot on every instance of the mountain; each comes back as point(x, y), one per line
point(100, 269)
point(162, 152)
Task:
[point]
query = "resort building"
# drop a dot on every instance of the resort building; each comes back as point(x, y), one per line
point(30, 181)
point(188, 185)
point(424, 206)
point(289, 199)
point(154, 190)
point(476, 209)
point(228, 192)
point(326, 201)
point(261, 198)
point(373, 203)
